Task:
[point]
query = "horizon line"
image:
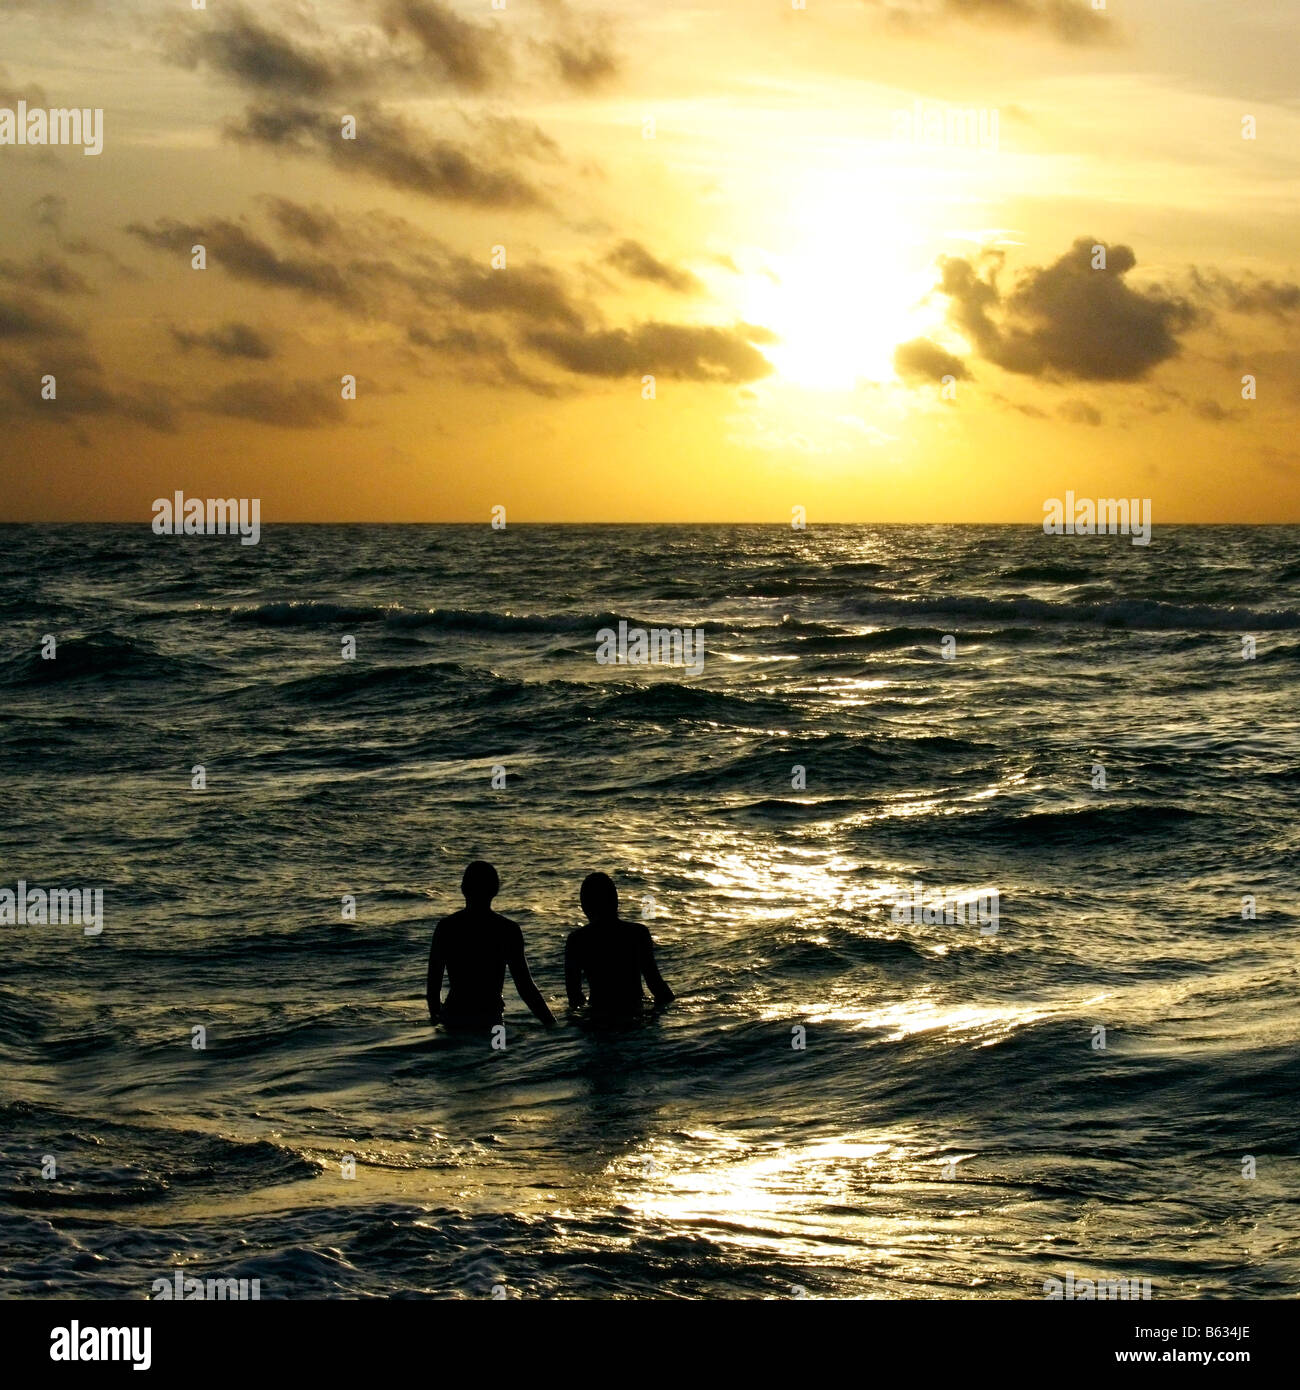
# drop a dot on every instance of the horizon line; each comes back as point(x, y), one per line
point(781, 525)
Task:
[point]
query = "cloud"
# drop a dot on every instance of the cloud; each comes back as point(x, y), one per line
point(484, 359)
point(472, 57)
point(235, 249)
point(1066, 320)
point(582, 65)
point(391, 149)
point(45, 273)
point(403, 267)
point(1248, 295)
point(404, 273)
point(312, 225)
point(289, 405)
point(680, 351)
point(33, 346)
point(416, 43)
point(580, 52)
point(24, 316)
point(1079, 413)
point(1072, 22)
point(532, 292)
point(924, 360)
point(229, 340)
point(1212, 410)
point(239, 46)
point(634, 260)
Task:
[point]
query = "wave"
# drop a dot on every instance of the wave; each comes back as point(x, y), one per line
point(359, 682)
point(1084, 826)
point(1049, 574)
point(1143, 614)
point(109, 1163)
point(313, 613)
point(103, 655)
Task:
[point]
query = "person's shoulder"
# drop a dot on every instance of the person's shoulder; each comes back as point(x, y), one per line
point(450, 920)
point(508, 926)
point(636, 929)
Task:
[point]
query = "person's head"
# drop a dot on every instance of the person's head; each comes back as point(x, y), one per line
point(599, 898)
point(480, 883)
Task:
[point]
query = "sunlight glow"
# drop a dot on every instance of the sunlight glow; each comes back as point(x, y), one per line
point(848, 288)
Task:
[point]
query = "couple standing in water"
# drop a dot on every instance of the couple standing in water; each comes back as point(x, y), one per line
point(476, 946)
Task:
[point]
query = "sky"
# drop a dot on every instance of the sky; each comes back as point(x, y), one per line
point(881, 260)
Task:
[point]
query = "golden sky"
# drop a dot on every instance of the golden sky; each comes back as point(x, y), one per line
point(797, 221)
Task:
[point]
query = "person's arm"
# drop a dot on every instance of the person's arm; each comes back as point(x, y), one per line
point(433, 983)
point(573, 973)
point(528, 991)
point(650, 969)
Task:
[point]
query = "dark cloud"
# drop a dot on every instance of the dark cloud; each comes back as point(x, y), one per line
point(472, 57)
point(582, 65)
point(238, 45)
point(45, 273)
point(1070, 21)
point(681, 351)
point(383, 284)
point(235, 249)
point(82, 387)
point(24, 316)
point(579, 51)
point(1079, 413)
point(50, 211)
point(484, 359)
point(1249, 294)
point(532, 292)
point(633, 259)
point(1066, 320)
point(228, 340)
point(289, 405)
point(515, 137)
point(404, 271)
point(391, 149)
point(924, 360)
point(312, 225)
point(418, 43)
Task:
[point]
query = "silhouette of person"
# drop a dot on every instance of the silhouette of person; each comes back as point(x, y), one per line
point(476, 946)
point(612, 954)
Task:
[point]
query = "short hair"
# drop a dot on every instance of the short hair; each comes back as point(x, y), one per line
point(598, 896)
point(480, 880)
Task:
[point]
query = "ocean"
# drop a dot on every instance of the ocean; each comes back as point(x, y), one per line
point(237, 1079)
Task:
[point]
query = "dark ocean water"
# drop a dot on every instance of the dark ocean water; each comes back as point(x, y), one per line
point(950, 1128)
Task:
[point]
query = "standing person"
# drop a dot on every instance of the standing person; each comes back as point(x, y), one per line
point(476, 946)
point(613, 955)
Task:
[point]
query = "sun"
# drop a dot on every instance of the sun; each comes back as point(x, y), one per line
point(847, 287)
